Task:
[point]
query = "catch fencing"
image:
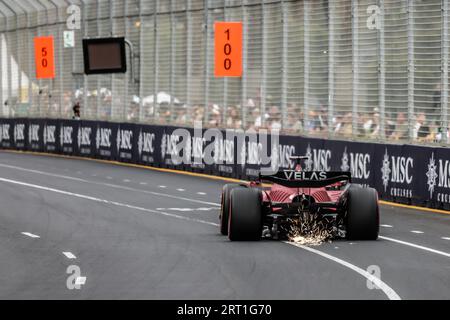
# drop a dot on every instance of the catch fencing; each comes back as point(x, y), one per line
point(353, 69)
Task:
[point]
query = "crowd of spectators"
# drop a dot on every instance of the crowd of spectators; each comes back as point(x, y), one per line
point(421, 126)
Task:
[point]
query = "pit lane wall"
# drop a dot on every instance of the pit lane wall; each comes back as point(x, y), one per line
point(406, 174)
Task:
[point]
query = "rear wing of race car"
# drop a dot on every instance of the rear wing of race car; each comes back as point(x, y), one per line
point(306, 179)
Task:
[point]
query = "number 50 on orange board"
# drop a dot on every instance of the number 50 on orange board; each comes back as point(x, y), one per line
point(44, 57)
point(228, 49)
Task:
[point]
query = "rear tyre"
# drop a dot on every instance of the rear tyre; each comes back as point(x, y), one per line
point(245, 219)
point(225, 207)
point(363, 217)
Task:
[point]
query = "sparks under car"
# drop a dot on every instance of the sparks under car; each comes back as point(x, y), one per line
point(256, 210)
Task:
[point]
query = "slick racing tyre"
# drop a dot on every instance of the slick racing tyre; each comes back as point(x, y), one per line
point(245, 218)
point(225, 207)
point(363, 217)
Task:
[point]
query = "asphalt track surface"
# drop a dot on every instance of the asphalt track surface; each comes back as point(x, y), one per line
point(143, 234)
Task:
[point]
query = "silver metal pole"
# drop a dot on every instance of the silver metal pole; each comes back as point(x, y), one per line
point(306, 11)
point(284, 80)
point(444, 71)
point(355, 68)
point(331, 65)
point(141, 67)
point(264, 65)
point(244, 64)
point(411, 69)
point(207, 54)
point(155, 62)
point(172, 61)
point(382, 74)
point(188, 59)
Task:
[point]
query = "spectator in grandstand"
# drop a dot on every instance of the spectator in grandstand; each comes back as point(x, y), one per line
point(76, 111)
point(234, 118)
point(199, 113)
point(294, 119)
point(419, 126)
point(401, 128)
point(254, 121)
point(274, 121)
point(215, 116)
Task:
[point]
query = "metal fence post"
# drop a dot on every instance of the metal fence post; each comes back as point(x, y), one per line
point(97, 114)
point(264, 65)
point(382, 73)
point(355, 66)
point(141, 68)
point(411, 69)
point(156, 58)
point(444, 71)
point(172, 60)
point(2, 101)
point(207, 53)
point(306, 10)
point(284, 81)
point(244, 64)
point(331, 65)
point(188, 58)
point(85, 82)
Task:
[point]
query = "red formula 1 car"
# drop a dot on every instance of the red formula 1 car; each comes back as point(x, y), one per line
point(251, 211)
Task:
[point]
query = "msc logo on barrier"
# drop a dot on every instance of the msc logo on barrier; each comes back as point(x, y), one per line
point(146, 142)
point(359, 164)
point(318, 159)
point(4, 132)
point(397, 169)
point(84, 136)
point(104, 138)
point(49, 137)
point(438, 176)
point(33, 136)
point(19, 132)
point(124, 139)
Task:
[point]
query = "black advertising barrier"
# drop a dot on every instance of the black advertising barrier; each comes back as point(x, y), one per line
point(20, 128)
point(36, 135)
point(126, 142)
point(68, 136)
point(7, 133)
point(149, 144)
point(437, 178)
point(86, 138)
point(50, 135)
point(356, 157)
point(418, 175)
point(106, 140)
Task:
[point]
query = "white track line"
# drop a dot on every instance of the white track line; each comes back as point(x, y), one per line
point(385, 225)
point(445, 238)
point(390, 293)
point(69, 255)
point(30, 235)
point(445, 254)
point(126, 180)
point(191, 200)
point(119, 204)
point(181, 189)
point(201, 193)
point(417, 231)
point(383, 286)
point(109, 185)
